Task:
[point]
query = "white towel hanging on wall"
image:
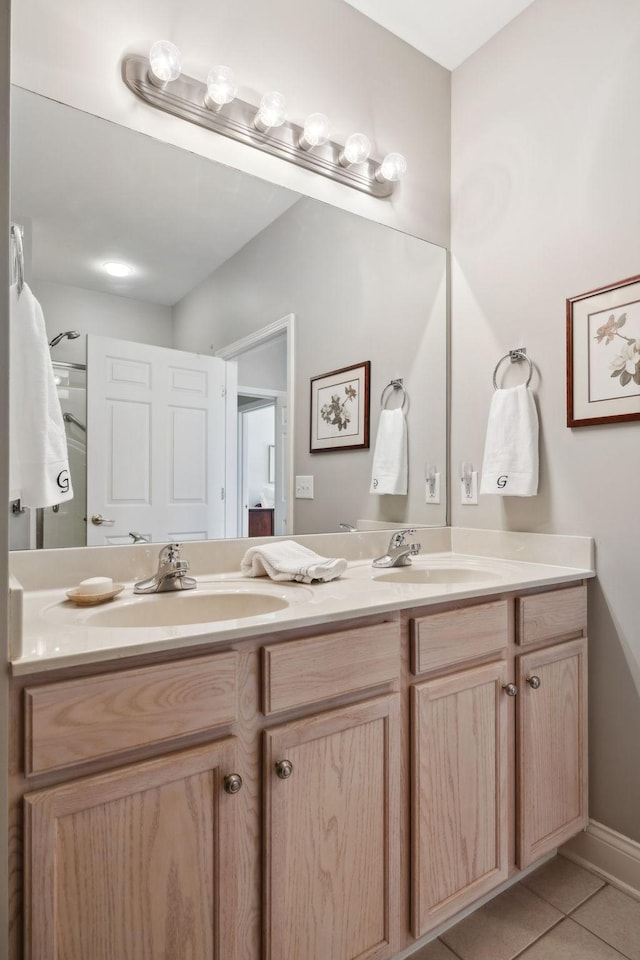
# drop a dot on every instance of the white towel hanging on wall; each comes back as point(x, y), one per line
point(389, 473)
point(38, 459)
point(510, 465)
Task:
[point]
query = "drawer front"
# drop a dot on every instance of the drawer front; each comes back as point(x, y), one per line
point(326, 666)
point(449, 638)
point(85, 719)
point(552, 615)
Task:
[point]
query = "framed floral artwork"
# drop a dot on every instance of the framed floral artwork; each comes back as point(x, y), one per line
point(340, 409)
point(603, 355)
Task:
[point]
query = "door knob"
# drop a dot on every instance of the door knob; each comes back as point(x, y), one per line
point(233, 783)
point(98, 519)
point(510, 689)
point(284, 769)
point(534, 682)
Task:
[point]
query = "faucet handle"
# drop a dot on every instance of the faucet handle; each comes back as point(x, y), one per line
point(398, 537)
point(170, 553)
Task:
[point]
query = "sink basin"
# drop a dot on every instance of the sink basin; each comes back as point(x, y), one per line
point(439, 575)
point(172, 610)
point(211, 604)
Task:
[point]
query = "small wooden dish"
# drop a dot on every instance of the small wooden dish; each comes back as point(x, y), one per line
point(91, 599)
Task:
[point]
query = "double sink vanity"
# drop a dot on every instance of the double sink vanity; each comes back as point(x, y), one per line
point(256, 770)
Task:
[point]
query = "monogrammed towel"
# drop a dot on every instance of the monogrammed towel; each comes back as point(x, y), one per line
point(38, 459)
point(510, 466)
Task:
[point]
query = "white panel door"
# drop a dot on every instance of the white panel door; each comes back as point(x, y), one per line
point(156, 456)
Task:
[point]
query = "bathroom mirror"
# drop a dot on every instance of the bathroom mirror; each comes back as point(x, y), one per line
point(218, 257)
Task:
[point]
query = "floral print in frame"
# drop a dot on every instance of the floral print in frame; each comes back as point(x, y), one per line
point(603, 355)
point(340, 409)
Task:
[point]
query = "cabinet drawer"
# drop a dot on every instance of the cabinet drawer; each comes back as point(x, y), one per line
point(318, 668)
point(78, 720)
point(550, 615)
point(449, 638)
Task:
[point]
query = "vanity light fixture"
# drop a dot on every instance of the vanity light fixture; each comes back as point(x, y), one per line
point(356, 150)
point(392, 168)
point(159, 81)
point(271, 113)
point(116, 269)
point(165, 63)
point(221, 87)
point(315, 132)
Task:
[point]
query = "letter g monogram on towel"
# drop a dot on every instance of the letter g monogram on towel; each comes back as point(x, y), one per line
point(503, 480)
point(63, 480)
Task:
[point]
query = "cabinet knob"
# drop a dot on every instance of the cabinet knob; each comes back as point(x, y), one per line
point(284, 769)
point(534, 682)
point(510, 689)
point(232, 783)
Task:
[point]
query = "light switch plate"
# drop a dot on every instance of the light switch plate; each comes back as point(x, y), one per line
point(433, 497)
point(304, 488)
point(473, 493)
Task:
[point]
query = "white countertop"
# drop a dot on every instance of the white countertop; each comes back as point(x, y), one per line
point(54, 633)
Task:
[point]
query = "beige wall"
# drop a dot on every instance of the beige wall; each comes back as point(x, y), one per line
point(359, 292)
point(546, 205)
point(323, 56)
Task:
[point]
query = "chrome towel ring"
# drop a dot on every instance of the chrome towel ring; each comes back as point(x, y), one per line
point(514, 356)
point(393, 385)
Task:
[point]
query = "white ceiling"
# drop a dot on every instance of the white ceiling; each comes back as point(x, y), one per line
point(94, 191)
point(447, 31)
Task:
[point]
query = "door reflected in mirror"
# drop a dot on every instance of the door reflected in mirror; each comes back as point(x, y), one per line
point(215, 256)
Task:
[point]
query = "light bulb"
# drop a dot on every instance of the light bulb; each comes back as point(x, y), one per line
point(392, 168)
point(116, 269)
point(272, 111)
point(356, 150)
point(316, 131)
point(221, 87)
point(165, 63)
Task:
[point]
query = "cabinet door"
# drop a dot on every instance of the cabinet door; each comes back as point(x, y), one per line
point(137, 863)
point(552, 748)
point(333, 835)
point(460, 806)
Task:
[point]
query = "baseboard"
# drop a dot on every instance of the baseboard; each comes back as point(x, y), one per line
point(613, 856)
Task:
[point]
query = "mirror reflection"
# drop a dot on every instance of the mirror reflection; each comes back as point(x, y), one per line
point(188, 307)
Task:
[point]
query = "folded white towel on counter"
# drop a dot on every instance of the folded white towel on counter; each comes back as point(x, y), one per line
point(510, 466)
point(38, 458)
point(389, 471)
point(288, 560)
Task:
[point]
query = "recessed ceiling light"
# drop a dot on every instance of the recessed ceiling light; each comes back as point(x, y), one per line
point(116, 269)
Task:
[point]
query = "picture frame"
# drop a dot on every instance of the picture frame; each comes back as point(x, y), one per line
point(339, 418)
point(603, 355)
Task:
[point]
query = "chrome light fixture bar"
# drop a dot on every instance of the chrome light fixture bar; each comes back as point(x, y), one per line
point(186, 98)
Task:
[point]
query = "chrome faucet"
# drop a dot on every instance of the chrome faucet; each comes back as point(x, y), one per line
point(399, 552)
point(138, 537)
point(170, 575)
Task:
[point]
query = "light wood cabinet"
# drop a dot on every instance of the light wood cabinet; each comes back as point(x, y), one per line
point(460, 824)
point(390, 779)
point(332, 835)
point(465, 767)
point(137, 863)
point(552, 747)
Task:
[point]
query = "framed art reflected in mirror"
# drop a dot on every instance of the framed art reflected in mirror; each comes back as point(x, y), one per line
point(340, 409)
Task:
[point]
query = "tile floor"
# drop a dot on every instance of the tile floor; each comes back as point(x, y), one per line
point(560, 912)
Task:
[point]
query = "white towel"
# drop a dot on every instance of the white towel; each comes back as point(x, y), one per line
point(288, 560)
point(38, 459)
point(389, 472)
point(510, 466)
